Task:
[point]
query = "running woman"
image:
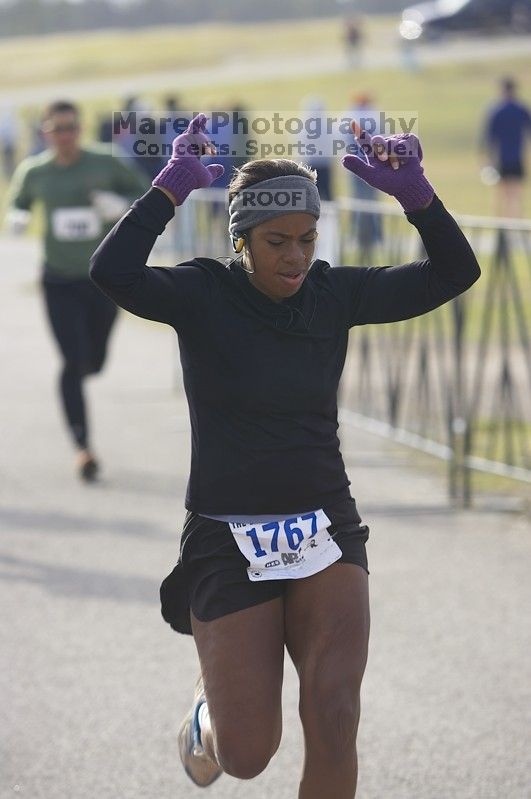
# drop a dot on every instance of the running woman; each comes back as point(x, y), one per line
point(83, 191)
point(273, 549)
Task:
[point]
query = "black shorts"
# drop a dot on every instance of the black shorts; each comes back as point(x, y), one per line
point(211, 579)
point(511, 171)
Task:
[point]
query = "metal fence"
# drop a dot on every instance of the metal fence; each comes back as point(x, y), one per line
point(455, 383)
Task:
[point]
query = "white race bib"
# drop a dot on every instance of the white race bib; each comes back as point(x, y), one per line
point(287, 549)
point(76, 224)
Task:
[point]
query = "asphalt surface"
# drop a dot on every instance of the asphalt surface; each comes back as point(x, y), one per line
point(93, 684)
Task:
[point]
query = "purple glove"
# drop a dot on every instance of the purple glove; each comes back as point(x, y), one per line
point(184, 171)
point(393, 166)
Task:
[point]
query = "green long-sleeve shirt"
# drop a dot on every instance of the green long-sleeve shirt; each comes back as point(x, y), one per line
point(73, 226)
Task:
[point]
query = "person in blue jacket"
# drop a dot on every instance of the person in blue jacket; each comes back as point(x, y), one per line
point(506, 131)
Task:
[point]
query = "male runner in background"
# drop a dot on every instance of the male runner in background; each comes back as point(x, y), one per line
point(83, 191)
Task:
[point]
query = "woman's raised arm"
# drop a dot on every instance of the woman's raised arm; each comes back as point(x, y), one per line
point(118, 266)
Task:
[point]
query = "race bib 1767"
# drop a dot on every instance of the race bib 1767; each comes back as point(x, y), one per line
point(288, 548)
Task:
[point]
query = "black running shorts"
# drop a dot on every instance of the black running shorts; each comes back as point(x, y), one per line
point(515, 170)
point(211, 579)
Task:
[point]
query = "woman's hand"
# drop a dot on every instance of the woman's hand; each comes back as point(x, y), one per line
point(184, 171)
point(393, 166)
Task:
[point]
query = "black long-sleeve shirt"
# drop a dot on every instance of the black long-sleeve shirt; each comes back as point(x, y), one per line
point(261, 377)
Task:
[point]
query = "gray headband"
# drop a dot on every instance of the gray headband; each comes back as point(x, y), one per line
point(271, 198)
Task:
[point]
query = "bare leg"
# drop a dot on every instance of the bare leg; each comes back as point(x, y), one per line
point(327, 632)
point(510, 194)
point(515, 198)
point(242, 662)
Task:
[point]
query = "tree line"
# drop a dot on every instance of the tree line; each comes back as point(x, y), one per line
point(26, 17)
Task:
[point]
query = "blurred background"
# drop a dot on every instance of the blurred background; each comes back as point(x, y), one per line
point(435, 412)
point(443, 64)
point(269, 56)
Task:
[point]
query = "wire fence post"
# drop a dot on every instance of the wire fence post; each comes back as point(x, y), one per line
point(458, 416)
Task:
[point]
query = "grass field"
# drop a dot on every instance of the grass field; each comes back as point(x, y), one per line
point(450, 99)
point(100, 54)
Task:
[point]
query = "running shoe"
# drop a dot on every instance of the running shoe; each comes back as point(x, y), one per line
point(199, 767)
point(88, 467)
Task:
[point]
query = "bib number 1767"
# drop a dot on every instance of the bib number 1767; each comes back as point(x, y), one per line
point(294, 530)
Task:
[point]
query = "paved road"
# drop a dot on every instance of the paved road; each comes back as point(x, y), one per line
point(237, 70)
point(93, 684)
